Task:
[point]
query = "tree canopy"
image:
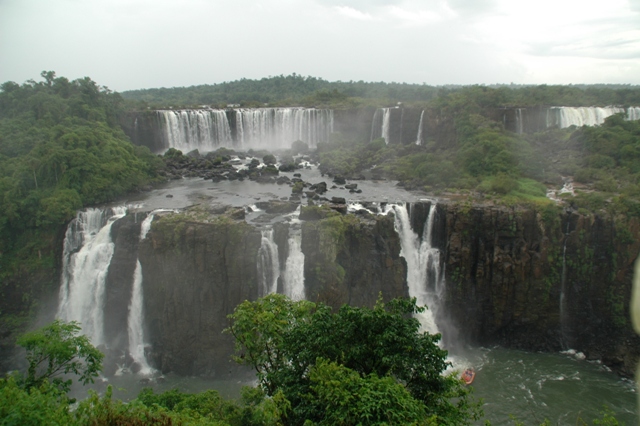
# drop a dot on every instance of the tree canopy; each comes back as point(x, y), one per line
point(369, 365)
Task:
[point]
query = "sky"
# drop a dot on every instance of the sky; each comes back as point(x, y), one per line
point(136, 44)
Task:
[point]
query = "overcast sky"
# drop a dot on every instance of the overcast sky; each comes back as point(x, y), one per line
point(133, 44)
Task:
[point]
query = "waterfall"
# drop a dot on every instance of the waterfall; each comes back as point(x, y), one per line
point(419, 138)
point(380, 124)
point(582, 116)
point(268, 263)
point(145, 226)
point(424, 271)
point(633, 113)
point(294, 268)
point(385, 124)
point(278, 128)
point(135, 323)
point(519, 123)
point(87, 252)
point(186, 130)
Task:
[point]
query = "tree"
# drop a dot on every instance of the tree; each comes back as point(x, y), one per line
point(318, 358)
point(57, 349)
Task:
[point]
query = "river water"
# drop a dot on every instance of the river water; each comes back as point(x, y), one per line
point(531, 387)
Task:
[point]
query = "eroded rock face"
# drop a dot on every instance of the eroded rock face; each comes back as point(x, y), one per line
point(195, 274)
point(520, 278)
point(514, 279)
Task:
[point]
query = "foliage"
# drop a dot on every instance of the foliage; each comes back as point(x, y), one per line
point(294, 89)
point(57, 350)
point(35, 406)
point(61, 148)
point(285, 341)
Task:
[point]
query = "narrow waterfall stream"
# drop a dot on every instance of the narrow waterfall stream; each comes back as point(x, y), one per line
point(135, 324)
point(87, 252)
point(294, 268)
point(268, 263)
point(420, 136)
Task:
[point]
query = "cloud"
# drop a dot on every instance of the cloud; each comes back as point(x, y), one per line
point(350, 12)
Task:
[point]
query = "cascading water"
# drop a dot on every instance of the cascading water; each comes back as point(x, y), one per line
point(294, 267)
point(424, 271)
point(277, 128)
point(380, 124)
point(519, 123)
point(633, 113)
point(583, 116)
point(420, 136)
point(268, 263)
point(135, 323)
point(87, 253)
point(205, 130)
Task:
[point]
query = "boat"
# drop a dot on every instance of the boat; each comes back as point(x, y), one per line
point(468, 376)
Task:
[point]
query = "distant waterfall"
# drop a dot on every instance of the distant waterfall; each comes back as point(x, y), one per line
point(186, 130)
point(87, 253)
point(519, 122)
point(294, 268)
point(268, 263)
point(135, 323)
point(380, 124)
point(633, 113)
point(278, 128)
point(424, 270)
point(584, 116)
point(419, 138)
point(259, 128)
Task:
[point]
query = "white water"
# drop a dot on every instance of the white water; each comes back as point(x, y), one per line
point(420, 129)
point(633, 113)
point(294, 268)
point(581, 116)
point(268, 263)
point(84, 271)
point(424, 277)
point(519, 123)
point(261, 128)
point(380, 124)
point(278, 128)
point(135, 323)
point(145, 226)
point(205, 130)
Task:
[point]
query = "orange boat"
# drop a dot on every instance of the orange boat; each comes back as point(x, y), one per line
point(468, 376)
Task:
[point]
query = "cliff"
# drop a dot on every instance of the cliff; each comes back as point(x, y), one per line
point(536, 280)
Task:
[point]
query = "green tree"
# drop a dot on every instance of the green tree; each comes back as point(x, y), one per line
point(56, 350)
point(284, 341)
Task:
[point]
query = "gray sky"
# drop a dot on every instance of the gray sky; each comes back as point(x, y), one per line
point(133, 44)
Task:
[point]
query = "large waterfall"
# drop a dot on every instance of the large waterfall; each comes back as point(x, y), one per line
point(584, 116)
point(277, 128)
point(186, 130)
point(260, 128)
point(87, 253)
point(425, 279)
point(268, 263)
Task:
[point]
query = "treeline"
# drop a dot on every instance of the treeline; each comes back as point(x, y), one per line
point(297, 90)
point(61, 148)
